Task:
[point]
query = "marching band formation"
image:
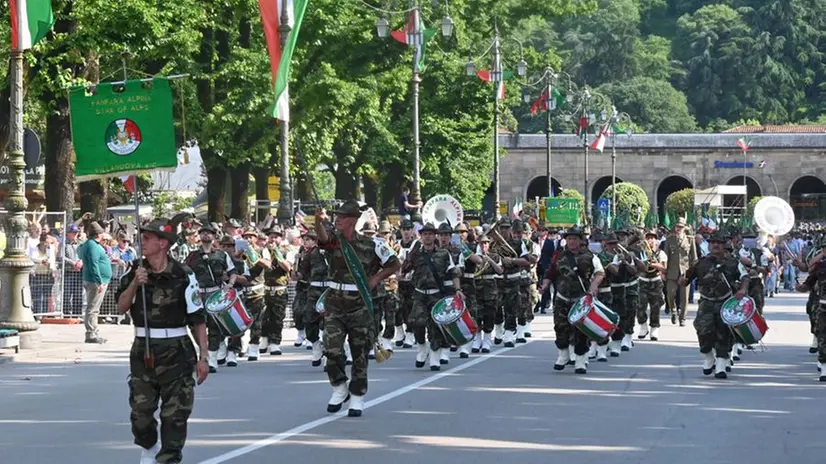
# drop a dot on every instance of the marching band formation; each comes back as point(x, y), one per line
point(364, 290)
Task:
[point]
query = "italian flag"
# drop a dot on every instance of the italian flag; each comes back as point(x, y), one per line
point(484, 74)
point(744, 143)
point(599, 143)
point(31, 20)
point(541, 103)
point(128, 183)
point(280, 57)
point(408, 36)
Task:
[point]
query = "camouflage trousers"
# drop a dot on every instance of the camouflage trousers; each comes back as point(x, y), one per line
point(812, 310)
point(386, 306)
point(513, 306)
point(499, 315)
point(632, 301)
point(529, 297)
point(313, 321)
point(255, 306)
point(405, 305)
point(756, 292)
point(487, 300)
point(421, 321)
point(618, 305)
point(651, 299)
point(300, 305)
point(172, 383)
point(347, 318)
point(566, 335)
point(273, 323)
point(820, 331)
point(712, 332)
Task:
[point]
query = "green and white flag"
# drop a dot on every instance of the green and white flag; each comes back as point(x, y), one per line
point(122, 129)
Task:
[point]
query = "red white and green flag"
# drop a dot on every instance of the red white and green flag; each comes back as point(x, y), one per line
point(541, 103)
point(31, 20)
point(408, 36)
point(484, 74)
point(599, 142)
point(280, 57)
point(744, 143)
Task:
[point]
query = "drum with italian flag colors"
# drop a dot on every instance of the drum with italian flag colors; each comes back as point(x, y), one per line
point(593, 318)
point(229, 312)
point(454, 320)
point(744, 320)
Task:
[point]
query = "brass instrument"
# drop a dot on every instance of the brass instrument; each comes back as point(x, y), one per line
point(499, 245)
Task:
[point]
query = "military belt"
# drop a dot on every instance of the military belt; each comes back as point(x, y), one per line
point(431, 291)
point(255, 288)
point(490, 276)
point(210, 289)
point(447, 283)
point(469, 275)
point(342, 287)
point(604, 289)
point(277, 288)
point(161, 333)
point(617, 285)
point(515, 275)
point(632, 283)
point(650, 279)
point(318, 283)
point(722, 298)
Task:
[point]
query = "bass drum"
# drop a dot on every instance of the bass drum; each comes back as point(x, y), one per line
point(443, 209)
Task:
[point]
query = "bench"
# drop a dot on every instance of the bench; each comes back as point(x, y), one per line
point(9, 339)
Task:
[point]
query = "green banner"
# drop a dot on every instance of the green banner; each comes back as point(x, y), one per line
point(562, 212)
point(122, 129)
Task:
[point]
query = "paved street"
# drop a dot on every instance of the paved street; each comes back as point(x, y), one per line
point(652, 405)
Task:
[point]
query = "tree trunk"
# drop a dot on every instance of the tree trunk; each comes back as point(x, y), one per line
point(262, 191)
point(371, 192)
point(391, 185)
point(346, 183)
point(240, 185)
point(92, 197)
point(216, 185)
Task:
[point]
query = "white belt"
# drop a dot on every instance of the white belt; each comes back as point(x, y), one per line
point(255, 287)
point(565, 298)
point(722, 298)
point(603, 290)
point(632, 283)
point(161, 333)
point(490, 277)
point(342, 287)
point(617, 285)
point(405, 279)
point(650, 279)
point(210, 289)
point(822, 301)
point(515, 275)
point(447, 283)
point(428, 292)
point(277, 287)
point(469, 275)
point(318, 284)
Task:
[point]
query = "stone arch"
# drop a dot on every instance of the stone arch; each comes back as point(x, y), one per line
point(753, 189)
point(807, 195)
point(668, 186)
point(599, 186)
point(538, 187)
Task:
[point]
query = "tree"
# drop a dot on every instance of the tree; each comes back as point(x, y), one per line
point(679, 203)
point(632, 202)
point(654, 105)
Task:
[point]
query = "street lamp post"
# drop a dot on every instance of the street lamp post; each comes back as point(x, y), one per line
point(415, 38)
point(285, 203)
point(589, 100)
point(16, 312)
point(617, 118)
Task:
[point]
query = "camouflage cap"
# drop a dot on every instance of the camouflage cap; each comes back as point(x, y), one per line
point(161, 228)
point(310, 234)
point(505, 222)
point(274, 230)
point(349, 208)
point(650, 232)
point(518, 225)
point(368, 228)
point(444, 228)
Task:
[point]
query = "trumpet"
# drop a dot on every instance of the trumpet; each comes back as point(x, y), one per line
point(501, 246)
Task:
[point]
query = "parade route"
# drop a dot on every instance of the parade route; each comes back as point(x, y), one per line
point(651, 405)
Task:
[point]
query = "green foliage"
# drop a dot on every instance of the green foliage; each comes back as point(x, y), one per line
point(750, 207)
point(655, 106)
point(166, 204)
point(632, 202)
point(679, 203)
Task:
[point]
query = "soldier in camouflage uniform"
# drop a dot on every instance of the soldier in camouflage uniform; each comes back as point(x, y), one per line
point(347, 313)
point(408, 243)
point(242, 274)
point(615, 273)
point(512, 303)
point(255, 293)
point(380, 295)
point(605, 294)
point(651, 288)
point(391, 289)
point(487, 288)
point(300, 300)
point(471, 263)
point(518, 230)
point(171, 304)
point(757, 265)
point(576, 271)
point(716, 274)
point(444, 237)
point(276, 280)
point(435, 276)
point(815, 284)
point(214, 270)
point(315, 267)
point(634, 267)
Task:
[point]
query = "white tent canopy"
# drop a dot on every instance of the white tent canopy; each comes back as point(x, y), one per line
point(714, 196)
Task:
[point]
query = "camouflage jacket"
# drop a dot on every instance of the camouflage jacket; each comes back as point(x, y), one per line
point(606, 258)
point(710, 272)
point(575, 271)
point(404, 251)
point(172, 297)
point(521, 252)
point(211, 269)
point(318, 265)
point(374, 255)
point(443, 264)
point(276, 276)
point(303, 266)
point(241, 269)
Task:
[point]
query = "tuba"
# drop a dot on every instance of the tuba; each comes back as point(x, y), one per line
point(368, 215)
point(773, 216)
point(443, 209)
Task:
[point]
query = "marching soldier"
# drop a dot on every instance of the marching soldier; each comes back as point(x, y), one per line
point(575, 267)
point(815, 284)
point(472, 261)
point(435, 276)
point(651, 288)
point(756, 263)
point(716, 276)
point(357, 266)
point(316, 267)
point(488, 293)
point(615, 273)
point(511, 298)
point(171, 303)
point(380, 296)
point(300, 300)
point(518, 230)
point(242, 274)
point(255, 293)
point(444, 236)
point(391, 288)
point(276, 280)
point(409, 243)
point(214, 269)
point(608, 258)
point(634, 267)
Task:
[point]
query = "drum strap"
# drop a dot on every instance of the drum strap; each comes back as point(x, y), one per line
point(572, 263)
point(429, 262)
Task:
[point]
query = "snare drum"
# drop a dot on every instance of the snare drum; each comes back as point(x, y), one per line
point(454, 320)
point(593, 318)
point(229, 312)
point(744, 320)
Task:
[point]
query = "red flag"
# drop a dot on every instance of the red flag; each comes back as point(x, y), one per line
point(583, 124)
point(129, 183)
point(540, 103)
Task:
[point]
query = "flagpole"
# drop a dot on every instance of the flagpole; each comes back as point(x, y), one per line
point(549, 74)
point(285, 204)
point(416, 79)
point(496, 78)
point(16, 312)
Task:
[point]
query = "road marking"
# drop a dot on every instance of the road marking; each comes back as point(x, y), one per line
point(279, 437)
